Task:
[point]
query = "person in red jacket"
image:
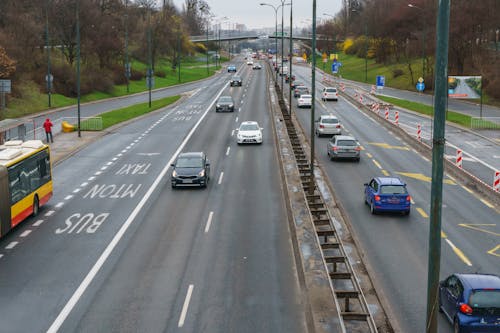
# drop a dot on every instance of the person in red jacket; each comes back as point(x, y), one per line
point(47, 125)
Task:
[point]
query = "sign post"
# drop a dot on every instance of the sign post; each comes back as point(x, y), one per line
point(5, 88)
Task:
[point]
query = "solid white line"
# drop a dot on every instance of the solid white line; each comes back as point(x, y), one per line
point(26, 233)
point(68, 197)
point(68, 307)
point(185, 306)
point(227, 151)
point(37, 223)
point(11, 245)
point(220, 177)
point(209, 221)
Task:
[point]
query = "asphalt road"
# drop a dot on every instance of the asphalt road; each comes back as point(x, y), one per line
point(396, 246)
point(117, 250)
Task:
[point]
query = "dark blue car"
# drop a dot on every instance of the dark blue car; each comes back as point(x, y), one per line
point(471, 302)
point(387, 194)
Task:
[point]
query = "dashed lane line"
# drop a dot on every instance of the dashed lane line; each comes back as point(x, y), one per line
point(185, 307)
point(209, 221)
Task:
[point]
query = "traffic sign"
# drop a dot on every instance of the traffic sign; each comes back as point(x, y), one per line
point(5, 86)
point(380, 81)
point(50, 76)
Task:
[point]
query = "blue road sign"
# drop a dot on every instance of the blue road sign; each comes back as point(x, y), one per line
point(380, 81)
point(420, 86)
point(335, 66)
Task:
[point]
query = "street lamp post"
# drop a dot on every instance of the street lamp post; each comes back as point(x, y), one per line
point(150, 69)
point(313, 91)
point(127, 65)
point(78, 64)
point(423, 37)
point(49, 75)
point(290, 58)
point(275, 32)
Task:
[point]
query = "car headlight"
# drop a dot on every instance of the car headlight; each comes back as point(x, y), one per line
point(218, 106)
point(174, 173)
point(201, 173)
point(231, 105)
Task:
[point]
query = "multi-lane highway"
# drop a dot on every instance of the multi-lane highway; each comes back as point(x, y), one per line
point(118, 250)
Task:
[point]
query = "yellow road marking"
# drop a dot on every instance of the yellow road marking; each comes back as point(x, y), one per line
point(377, 164)
point(387, 146)
point(424, 178)
point(487, 203)
point(385, 172)
point(422, 212)
point(468, 189)
point(494, 250)
point(369, 155)
point(363, 148)
point(459, 253)
point(443, 235)
point(475, 227)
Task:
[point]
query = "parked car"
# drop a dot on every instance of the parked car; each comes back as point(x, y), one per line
point(257, 66)
point(329, 93)
point(236, 81)
point(387, 194)
point(304, 101)
point(300, 90)
point(471, 302)
point(249, 132)
point(343, 146)
point(190, 169)
point(224, 103)
point(328, 125)
point(231, 68)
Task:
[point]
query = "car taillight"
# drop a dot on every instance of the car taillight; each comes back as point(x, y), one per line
point(321, 126)
point(338, 126)
point(335, 148)
point(465, 309)
point(408, 198)
point(377, 198)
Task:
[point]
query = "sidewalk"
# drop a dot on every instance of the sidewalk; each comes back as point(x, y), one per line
point(67, 144)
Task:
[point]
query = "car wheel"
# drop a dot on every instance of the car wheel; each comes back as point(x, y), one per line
point(407, 212)
point(372, 208)
point(36, 206)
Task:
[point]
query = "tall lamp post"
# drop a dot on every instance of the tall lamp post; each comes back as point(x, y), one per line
point(127, 64)
point(150, 69)
point(333, 18)
point(290, 59)
point(313, 91)
point(47, 39)
point(78, 64)
point(423, 37)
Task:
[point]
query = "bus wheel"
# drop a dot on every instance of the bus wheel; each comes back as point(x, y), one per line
point(36, 206)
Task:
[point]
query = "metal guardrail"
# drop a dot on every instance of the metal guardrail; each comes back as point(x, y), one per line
point(491, 123)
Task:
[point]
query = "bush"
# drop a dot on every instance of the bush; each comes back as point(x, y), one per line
point(397, 72)
point(119, 75)
point(136, 75)
point(161, 73)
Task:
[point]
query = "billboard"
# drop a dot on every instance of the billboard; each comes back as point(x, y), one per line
point(464, 87)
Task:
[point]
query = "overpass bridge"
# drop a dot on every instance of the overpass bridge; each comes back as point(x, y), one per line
point(236, 36)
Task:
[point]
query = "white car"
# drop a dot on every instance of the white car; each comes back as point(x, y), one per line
point(329, 93)
point(249, 132)
point(328, 125)
point(249, 62)
point(304, 101)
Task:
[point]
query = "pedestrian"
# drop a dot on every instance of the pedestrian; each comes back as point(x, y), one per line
point(47, 125)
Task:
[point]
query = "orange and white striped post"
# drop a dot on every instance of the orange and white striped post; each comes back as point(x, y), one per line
point(361, 98)
point(342, 87)
point(419, 132)
point(496, 181)
point(459, 160)
point(386, 109)
point(396, 118)
point(372, 90)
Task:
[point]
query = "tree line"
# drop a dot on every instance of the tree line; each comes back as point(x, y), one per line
point(28, 28)
point(390, 31)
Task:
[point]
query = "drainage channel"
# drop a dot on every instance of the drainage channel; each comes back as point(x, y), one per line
point(355, 313)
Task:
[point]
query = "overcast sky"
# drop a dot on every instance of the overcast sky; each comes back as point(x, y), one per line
point(250, 13)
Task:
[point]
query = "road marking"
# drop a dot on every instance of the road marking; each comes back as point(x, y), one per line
point(124, 151)
point(377, 164)
point(227, 151)
point(487, 203)
point(475, 227)
point(492, 251)
point(91, 178)
point(26, 233)
point(97, 173)
point(385, 172)
point(109, 163)
point(68, 197)
point(76, 190)
point(59, 205)
point(459, 253)
point(232, 132)
point(38, 223)
point(209, 221)
point(1, 255)
point(50, 213)
point(387, 146)
point(68, 307)
point(236, 120)
point(424, 178)
point(220, 177)
point(104, 168)
point(239, 109)
point(369, 155)
point(422, 212)
point(84, 184)
point(467, 189)
point(443, 235)
point(11, 245)
point(185, 306)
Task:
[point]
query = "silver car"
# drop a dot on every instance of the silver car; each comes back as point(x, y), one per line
point(344, 146)
point(328, 125)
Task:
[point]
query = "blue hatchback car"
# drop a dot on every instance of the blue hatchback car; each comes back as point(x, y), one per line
point(231, 68)
point(471, 302)
point(387, 194)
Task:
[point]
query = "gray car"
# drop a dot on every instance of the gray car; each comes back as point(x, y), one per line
point(344, 146)
point(190, 169)
point(328, 125)
point(300, 90)
point(224, 103)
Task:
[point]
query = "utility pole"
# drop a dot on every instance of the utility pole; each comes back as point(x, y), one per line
point(441, 95)
point(313, 93)
point(47, 46)
point(291, 56)
point(150, 69)
point(78, 63)
point(127, 65)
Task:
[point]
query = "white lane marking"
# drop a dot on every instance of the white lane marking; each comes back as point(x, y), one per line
point(209, 221)
point(91, 178)
point(239, 109)
point(68, 307)
point(38, 223)
point(236, 120)
point(11, 245)
point(220, 178)
point(1, 255)
point(76, 190)
point(60, 204)
point(232, 132)
point(120, 155)
point(84, 184)
point(97, 173)
point(185, 306)
point(25, 233)
point(68, 197)
point(50, 213)
point(104, 168)
point(109, 163)
point(472, 156)
point(124, 151)
point(227, 151)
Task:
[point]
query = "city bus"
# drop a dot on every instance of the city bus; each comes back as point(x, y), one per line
point(25, 181)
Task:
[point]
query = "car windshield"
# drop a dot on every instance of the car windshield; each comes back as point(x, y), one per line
point(306, 96)
point(349, 143)
point(485, 299)
point(189, 162)
point(329, 120)
point(392, 189)
point(225, 99)
point(331, 90)
point(249, 127)
point(236, 78)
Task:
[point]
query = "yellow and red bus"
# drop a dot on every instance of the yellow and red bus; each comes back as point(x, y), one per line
point(25, 181)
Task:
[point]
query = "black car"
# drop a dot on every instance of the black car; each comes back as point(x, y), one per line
point(224, 103)
point(190, 169)
point(236, 81)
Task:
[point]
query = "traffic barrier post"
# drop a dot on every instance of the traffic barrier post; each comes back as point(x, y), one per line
point(459, 159)
point(419, 132)
point(396, 118)
point(496, 181)
point(386, 113)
